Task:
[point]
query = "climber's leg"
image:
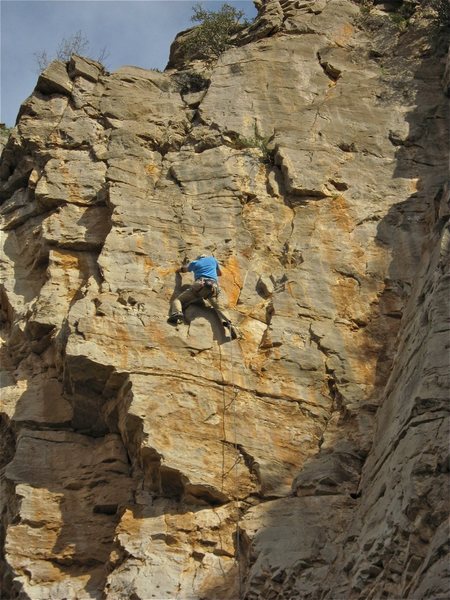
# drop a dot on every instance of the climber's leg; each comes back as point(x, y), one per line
point(216, 303)
point(176, 308)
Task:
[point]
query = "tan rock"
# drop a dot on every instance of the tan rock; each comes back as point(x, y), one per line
point(306, 458)
point(45, 538)
point(289, 541)
point(78, 182)
point(192, 550)
point(155, 102)
point(74, 226)
point(79, 66)
point(54, 80)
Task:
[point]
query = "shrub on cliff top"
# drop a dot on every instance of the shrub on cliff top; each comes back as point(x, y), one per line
point(77, 43)
point(212, 36)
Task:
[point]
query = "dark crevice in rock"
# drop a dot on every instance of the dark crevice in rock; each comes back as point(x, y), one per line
point(172, 176)
point(350, 275)
point(330, 71)
point(347, 147)
point(251, 463)
point(336, 396)
point(341, 186)
point(20, 174)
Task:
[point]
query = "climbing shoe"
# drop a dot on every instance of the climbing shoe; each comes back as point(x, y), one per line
point(176, 318)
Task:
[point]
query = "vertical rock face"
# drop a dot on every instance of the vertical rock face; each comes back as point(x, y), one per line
point(307, 458)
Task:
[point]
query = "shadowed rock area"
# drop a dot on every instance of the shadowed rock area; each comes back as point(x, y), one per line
point(306, 459)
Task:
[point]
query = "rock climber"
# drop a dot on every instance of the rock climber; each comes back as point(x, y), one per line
point(206, 271)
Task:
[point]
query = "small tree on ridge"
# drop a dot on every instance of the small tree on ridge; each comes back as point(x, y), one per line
point(77, 43)
point(212, 36)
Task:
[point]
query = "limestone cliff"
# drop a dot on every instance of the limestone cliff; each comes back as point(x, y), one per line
point(307, 459)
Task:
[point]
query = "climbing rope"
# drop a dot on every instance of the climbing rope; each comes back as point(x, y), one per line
point(181, 220)
point(182, 247)
point(236, 472)
point(234, 467)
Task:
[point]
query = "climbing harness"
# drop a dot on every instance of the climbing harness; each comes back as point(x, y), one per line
point(206, 288)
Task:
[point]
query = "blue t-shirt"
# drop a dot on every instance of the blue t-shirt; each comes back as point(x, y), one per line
point(204, 267)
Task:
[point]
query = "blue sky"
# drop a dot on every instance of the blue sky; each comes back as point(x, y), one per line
point(134, 32)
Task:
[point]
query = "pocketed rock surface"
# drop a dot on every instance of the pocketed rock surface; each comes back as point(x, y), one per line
point(307, 459)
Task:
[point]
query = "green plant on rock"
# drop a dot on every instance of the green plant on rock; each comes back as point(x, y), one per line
point(213, 35)
point(191, 82)
point(258, 141)
point(408, 8)
point(365, 5)
point(399, 21)
point(402, 16)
